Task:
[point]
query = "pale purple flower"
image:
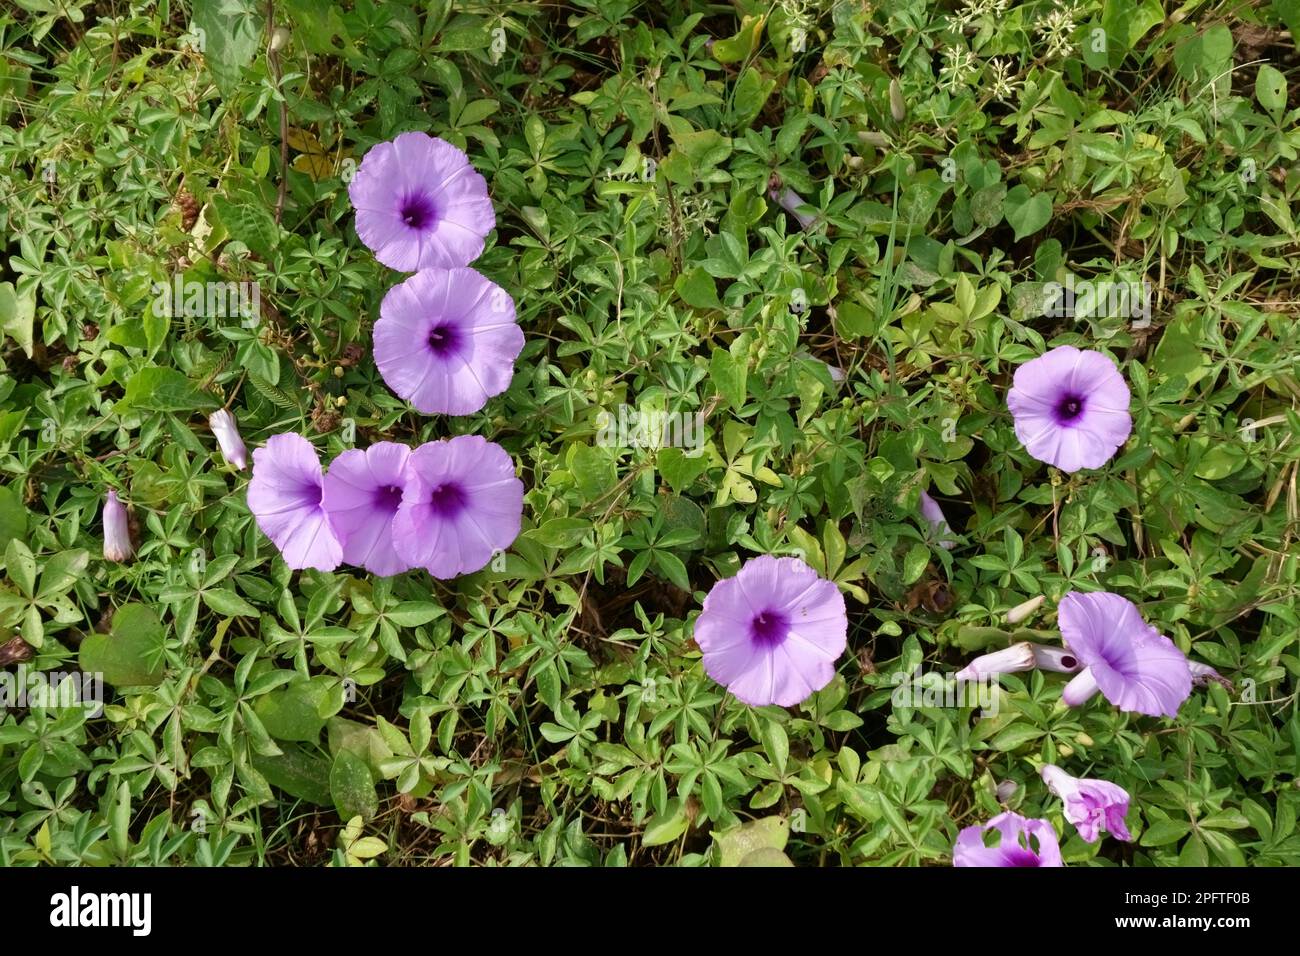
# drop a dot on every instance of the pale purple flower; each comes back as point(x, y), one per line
point(772, 633)
point(933, 514)
point(285, 496)
point(447, 340)
point(1091, 805)
point(224, 426)
point(1022, 842)
point(1058, 659)
point(420, 204)
point(1017, 657)
point(1134, 667)
point(1070, 408)
point(791, 202)
point(117, 529)
point(363, 490)
point(1005, 790)
point(462, 504)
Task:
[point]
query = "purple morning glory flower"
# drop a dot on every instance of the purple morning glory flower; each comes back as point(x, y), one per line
point(1022, 842)
point(1091, 805)
point(447, 340)
point(1134, 667)
point(1070, 408)
point(772, 633)
point(363, 490)
point(420, 204)
point(117, 529)
point(462, 504)
point(285, 497)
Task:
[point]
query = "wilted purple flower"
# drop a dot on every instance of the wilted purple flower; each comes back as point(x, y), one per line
point(420, 204)
point(447, 340)
point(1017, 657)
point(285, 497)
point(1006, 790)
point(1203, 675)
point(1091, 805)
point(117, 529)
point(224, 426)
point(1070, 408)
point(1022, 842)
point(791, 201)
point(772, 633)
point(1135, 668)
point(462, 504)
point(933, 514)
point(363, 490)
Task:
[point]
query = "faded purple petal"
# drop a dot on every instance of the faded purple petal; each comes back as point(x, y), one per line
point(1070, 408)
point(462, 505)
point(447, 340)
point(933, 514)
point(420, 204)
point(1091, 805)
point(772, 633)
point(285, 497)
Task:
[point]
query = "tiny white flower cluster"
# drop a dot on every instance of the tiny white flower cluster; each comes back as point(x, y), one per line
point(961, 68)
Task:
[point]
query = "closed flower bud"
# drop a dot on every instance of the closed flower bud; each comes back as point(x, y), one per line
point(224, 426)
point(117, 531)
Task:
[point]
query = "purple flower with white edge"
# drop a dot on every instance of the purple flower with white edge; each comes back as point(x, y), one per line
point(285, 496)
point(447, 340)
point(117, 529)
point(1017, 657)
point(226, 430)
point(1021, 842)
point(772, 633)
point(1091, 805)
point(1071, 408)
point(933, 514)
point(462, 504)
point(1135, 668)
point(363, 490)
point(420, 204)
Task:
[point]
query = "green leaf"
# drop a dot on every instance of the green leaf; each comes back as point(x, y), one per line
point(227, 602)
point(667, 826)
point(737, 844)
point(352, 787)
point(13, 517)
point(164, 390)
point(231, 35)
point(297, 773)
point(17, 316)
point(293, 713)
point(131, 654)
point(250, 223)
point(1027, 212)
